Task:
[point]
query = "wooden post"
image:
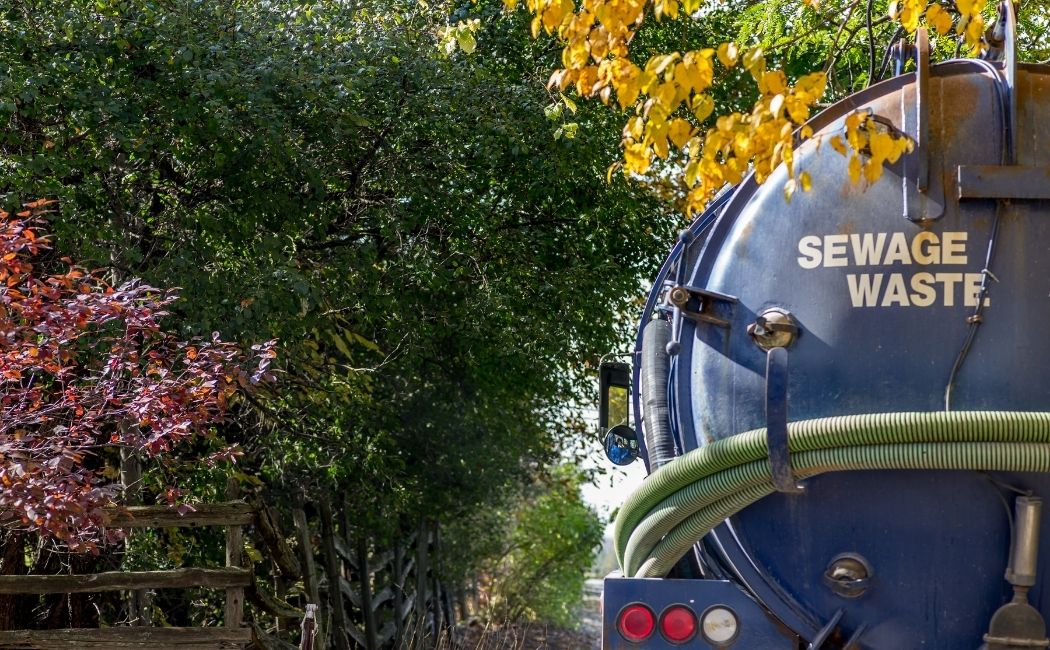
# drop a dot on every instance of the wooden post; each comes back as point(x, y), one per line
point(234, 547)
point(309, 628)
point(335, 594)
point(306, 556)
point(139, 606)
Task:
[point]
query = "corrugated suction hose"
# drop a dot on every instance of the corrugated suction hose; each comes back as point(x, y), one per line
point(679, 503)
point(659, 444)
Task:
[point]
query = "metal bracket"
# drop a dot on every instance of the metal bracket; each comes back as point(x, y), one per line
point(922, 111)
point(777, 421)
point(696, 304)
point(921, 201)
point(1003, 182)
point(1009, 14)
point(1010, 180)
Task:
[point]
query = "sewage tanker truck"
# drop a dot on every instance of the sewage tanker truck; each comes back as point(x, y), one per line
point(843, 401)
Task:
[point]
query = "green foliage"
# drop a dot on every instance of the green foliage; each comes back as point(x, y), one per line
point(555, 540)
point(376, 185)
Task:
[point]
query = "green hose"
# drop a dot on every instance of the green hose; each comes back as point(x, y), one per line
point(680, 502)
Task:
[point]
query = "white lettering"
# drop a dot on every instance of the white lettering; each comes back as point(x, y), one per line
point(972, 289)
point(954, 244)
point(905, 289)
point(835, 250)
point(867, 248)
point(949, 280)
point(864, 288)
point(809, 247)
point(895, 292)
point(932, 254)
point(898, 250)
point(924, 295)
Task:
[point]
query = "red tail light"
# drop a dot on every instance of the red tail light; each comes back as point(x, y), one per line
point(636, 622)
point(678, 624)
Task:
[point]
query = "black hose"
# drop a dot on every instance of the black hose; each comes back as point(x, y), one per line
point(886, 55)
point(1006, 157)
point(655, 373)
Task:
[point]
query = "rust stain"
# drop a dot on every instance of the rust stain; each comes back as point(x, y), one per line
point(1033, 88)
point(959, 102)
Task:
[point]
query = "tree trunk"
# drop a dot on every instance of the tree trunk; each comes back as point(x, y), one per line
point(365, 580)
point(398, 585)
point(422, 584)
point(461, 602)
point(14, 609)
point(335, 594)
point(82, 613)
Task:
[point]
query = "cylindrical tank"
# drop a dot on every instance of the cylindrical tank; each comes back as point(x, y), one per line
point(882, 280)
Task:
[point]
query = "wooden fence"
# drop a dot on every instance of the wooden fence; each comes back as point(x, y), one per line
point(233, 578)
point(367, 596)
point(370, 596)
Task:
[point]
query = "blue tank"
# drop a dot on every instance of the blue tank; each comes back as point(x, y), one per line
point(871, 292)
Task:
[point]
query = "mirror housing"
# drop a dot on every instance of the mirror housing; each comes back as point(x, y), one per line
point(614, 397)
point(612, 374)
point(621, 445)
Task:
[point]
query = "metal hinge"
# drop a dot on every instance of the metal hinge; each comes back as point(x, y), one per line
point(697, 304)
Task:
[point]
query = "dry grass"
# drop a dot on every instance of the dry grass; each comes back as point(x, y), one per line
point(510, 637)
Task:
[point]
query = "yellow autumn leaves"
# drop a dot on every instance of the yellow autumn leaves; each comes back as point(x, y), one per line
point(669, 99)
point(669, 95)
point(970, 26)
point(866, 136)
point(758, 141)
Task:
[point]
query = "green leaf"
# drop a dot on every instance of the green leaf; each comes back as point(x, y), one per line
point(569, 104)
point(466, 41)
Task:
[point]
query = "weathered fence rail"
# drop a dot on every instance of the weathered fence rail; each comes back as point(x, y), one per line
point(115, 638)
point(234, 578)
point(363, 593)
point(126, 580)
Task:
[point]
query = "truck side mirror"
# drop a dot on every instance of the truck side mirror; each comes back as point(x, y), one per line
point(621, 445)
point(614, 398)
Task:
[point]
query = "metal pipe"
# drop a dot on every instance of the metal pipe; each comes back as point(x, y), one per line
point(1010, 65)
point(1017, 624)
point(1025, 553)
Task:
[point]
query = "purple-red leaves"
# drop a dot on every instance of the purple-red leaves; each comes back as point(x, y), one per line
point(85, 365)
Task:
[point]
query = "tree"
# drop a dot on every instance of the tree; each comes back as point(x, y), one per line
point(86, 367)
point(691, 127)
point(375, 185)
point(540, 573)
